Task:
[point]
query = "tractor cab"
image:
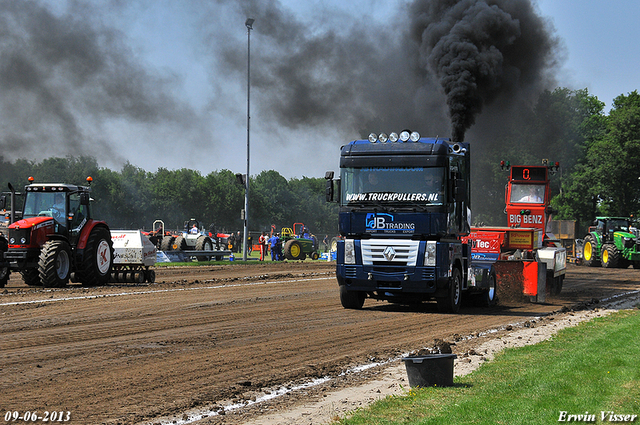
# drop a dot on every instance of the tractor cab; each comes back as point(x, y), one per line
point(68, 205)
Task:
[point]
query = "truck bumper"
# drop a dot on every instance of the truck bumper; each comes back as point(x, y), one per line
point(393, 284)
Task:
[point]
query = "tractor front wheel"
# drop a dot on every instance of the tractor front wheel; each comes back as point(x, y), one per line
point(54, 266)
point(4, 276)
point(610, 256)
point(31, 277)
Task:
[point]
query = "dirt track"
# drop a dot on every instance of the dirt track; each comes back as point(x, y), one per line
point(211, 336)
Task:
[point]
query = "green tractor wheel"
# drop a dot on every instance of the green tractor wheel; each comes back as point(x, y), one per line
point(589, 252)
point(610, 256)
point(293, 250)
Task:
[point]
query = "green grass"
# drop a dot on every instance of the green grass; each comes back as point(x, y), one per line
point(592, 367)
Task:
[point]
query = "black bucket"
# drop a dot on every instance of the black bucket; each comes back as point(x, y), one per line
point(430, 370)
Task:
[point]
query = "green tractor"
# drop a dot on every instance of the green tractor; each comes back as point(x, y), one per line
point(612, 242)
point(297, 244)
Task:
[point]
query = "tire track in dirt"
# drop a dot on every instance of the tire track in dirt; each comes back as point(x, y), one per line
point(128, 359)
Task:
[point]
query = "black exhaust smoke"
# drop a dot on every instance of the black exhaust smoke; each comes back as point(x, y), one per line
point(482, 50)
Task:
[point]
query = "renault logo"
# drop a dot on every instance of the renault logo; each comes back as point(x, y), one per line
point(389, 253)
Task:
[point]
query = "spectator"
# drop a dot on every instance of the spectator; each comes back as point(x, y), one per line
point(262, 241)
point(273, 241)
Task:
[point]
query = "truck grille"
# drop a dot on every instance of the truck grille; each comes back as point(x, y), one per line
point(350, 272)
point(393, 252)
point(429, 274)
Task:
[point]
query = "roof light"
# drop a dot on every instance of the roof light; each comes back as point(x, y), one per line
point(415, 136)
point(404, 135)
point(393, 137)
point(373, 137)
point(383, 138)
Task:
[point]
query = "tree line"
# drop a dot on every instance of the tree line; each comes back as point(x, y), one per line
point(599, 156)
point(133, 198)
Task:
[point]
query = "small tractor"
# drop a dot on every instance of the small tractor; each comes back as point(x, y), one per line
point(192, 238)
point(612, 242)
point(298, 244)
point(57, 236)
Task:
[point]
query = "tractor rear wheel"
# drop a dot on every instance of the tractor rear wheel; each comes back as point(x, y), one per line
point(203, 243)
point(97, 260)
point(179, 244)
point(166, 243)
point(610, 256)
point(589, 252)
point(54, 266)
point(293, 250)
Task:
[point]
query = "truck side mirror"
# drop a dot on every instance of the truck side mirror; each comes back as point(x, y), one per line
point(84, 198)
point(328, 191)
point(329, 188)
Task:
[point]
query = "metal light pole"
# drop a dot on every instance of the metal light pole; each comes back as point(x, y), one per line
point(249, 24)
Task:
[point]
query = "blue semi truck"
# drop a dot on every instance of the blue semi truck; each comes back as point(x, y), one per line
point(404, 208)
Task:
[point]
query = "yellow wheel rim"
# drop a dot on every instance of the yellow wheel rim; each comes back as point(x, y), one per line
point(295, 250)
point(605, 256)
point(588, 251)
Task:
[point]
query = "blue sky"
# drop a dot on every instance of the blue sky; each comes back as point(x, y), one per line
point(602, 44)
point(162, 83)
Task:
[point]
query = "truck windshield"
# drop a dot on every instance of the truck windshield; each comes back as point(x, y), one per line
point(45, 204)
point(392, 185)
point(527, 193)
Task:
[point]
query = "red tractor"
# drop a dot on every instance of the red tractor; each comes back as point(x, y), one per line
point(57, 236)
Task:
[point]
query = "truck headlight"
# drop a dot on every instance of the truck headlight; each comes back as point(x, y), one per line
point(349, 251)
point(430, 254)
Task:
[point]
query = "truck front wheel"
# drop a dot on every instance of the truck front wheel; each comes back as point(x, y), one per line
point(451, 303)
point(351, 299)
point(97, 259)
point(54, 266)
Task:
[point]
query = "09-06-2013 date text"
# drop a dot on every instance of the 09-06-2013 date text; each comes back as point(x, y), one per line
point(46, 416)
